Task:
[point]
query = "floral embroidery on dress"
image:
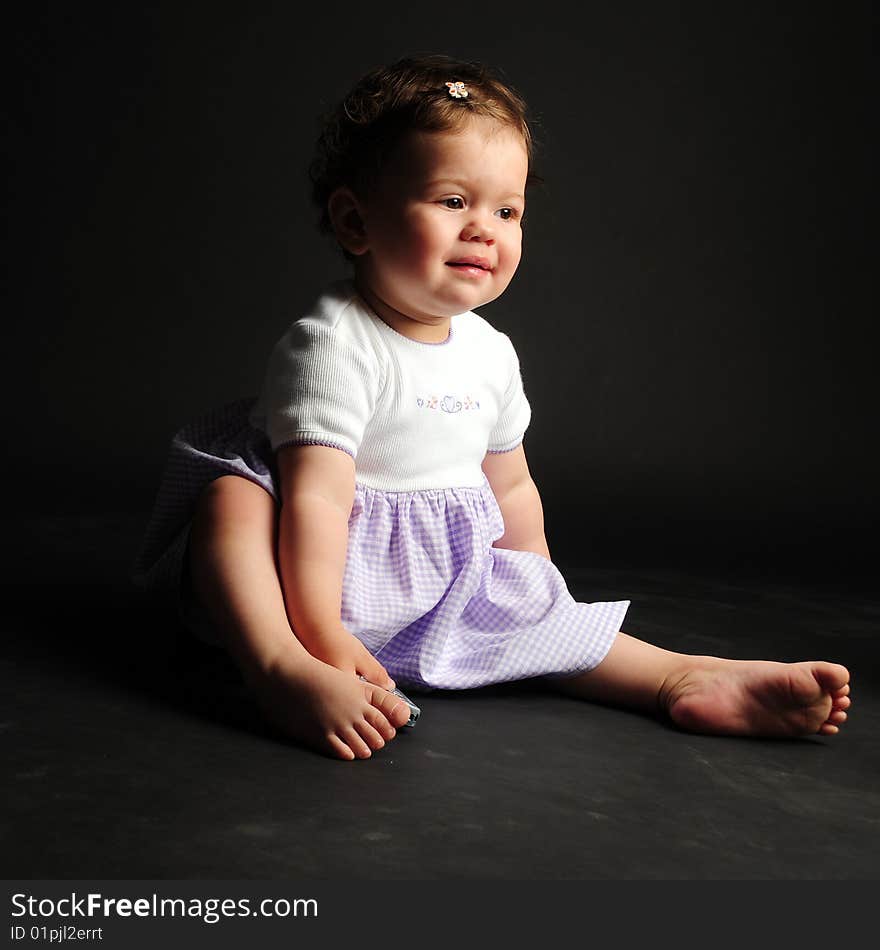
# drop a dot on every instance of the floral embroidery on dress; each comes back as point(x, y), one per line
point(450, 404)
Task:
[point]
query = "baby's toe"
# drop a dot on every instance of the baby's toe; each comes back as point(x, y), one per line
point(380, 723)
point(339, 749)
point(837, 717)
point(370, 735)
point(832, 677)
point(355, 742)
point(843, 702)
point(398, 714)
point(392, 707)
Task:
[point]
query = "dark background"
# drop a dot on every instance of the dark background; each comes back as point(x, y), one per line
point(694, 318)
point(693, 312)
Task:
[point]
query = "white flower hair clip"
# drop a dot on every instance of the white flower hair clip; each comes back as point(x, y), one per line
point(457, 90)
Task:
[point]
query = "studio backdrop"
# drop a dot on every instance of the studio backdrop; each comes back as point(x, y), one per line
point(691, 311)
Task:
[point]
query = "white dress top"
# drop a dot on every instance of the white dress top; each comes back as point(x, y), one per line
point(415, 416)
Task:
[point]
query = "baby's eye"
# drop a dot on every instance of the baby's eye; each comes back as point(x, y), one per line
point(506, 214)
point(454, 204)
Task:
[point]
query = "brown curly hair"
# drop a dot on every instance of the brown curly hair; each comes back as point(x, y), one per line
point(411, 94)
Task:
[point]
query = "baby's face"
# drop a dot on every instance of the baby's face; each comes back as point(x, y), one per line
point(444, 223)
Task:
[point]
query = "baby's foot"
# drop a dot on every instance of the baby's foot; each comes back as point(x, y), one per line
point(757, 697)
point(328, 709)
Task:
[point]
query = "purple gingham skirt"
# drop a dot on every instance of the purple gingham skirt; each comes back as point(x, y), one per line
point(423, 589)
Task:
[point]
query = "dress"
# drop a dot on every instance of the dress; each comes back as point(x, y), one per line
point(423, 587)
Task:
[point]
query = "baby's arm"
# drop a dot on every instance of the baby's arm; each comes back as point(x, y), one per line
point(317, 487)
point(519, 501)
point(234, 575)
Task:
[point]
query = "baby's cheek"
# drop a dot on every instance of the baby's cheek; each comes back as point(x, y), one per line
point(511, 254)
point(421, 251)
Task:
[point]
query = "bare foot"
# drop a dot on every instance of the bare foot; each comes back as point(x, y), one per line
point(328, 709)
point(757, 697)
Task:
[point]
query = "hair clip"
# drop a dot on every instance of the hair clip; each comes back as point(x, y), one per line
point(457, 90)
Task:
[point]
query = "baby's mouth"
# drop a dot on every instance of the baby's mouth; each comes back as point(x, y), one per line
point(479, 263)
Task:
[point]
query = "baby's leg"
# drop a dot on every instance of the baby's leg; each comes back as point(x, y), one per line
point(714, 695)
point(232, 567)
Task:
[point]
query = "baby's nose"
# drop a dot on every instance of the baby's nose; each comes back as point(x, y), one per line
point(478, 230)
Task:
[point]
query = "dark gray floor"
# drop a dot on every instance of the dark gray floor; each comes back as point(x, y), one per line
point(134, 754)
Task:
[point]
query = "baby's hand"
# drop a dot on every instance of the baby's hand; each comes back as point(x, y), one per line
point(344, 651)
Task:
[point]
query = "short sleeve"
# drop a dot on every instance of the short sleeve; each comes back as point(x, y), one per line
point(515, 412)
point(319, 389)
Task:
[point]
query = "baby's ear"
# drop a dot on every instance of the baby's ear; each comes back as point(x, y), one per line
point(344, 210)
